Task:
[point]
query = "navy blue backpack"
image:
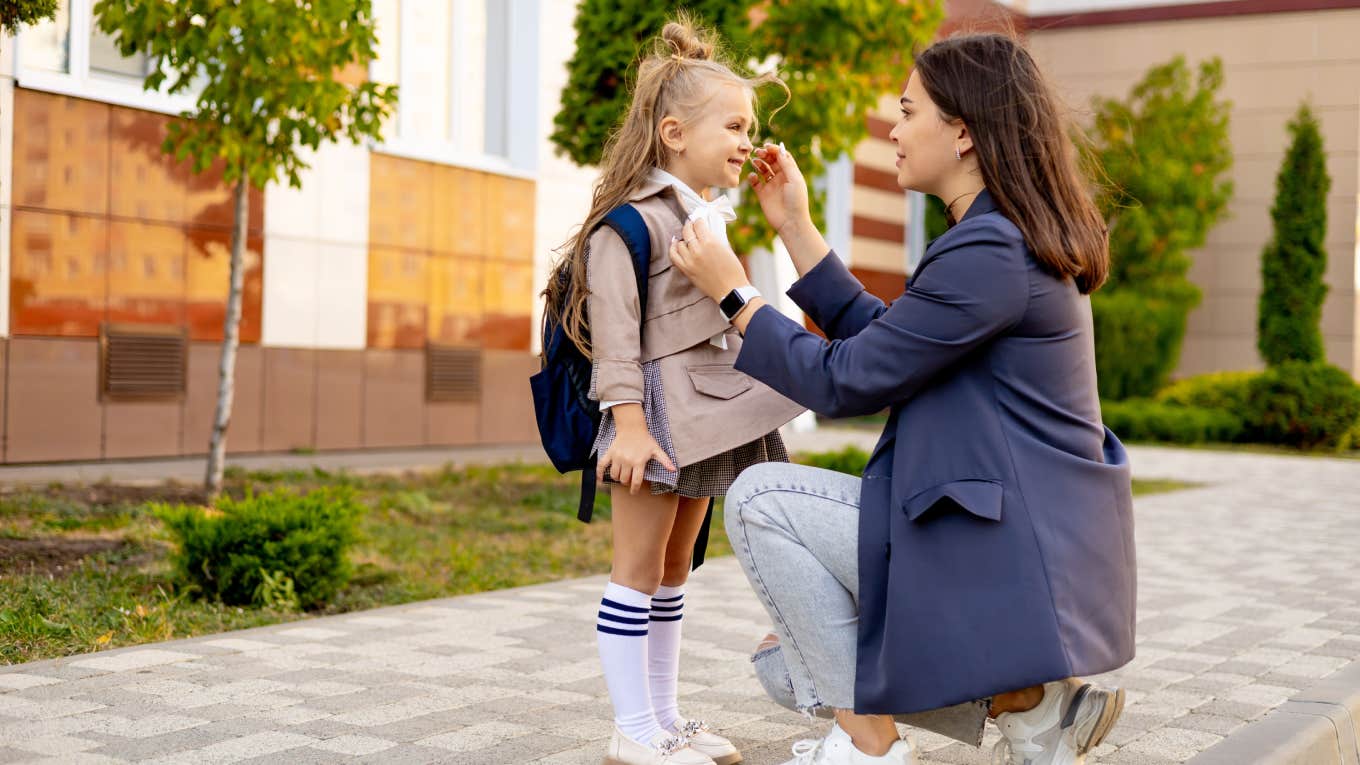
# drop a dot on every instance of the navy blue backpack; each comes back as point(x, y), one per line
point(567, 419)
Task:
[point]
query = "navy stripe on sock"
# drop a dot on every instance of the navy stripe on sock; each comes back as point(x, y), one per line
point(668, 600)
point(668, 608)
point(622, 607)
point(667, 618)
point(612, 631)
point(620, 619)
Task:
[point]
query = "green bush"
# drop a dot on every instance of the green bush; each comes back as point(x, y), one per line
point(1138, 342)
point(1165, 152)
point(1146, 420)
point(1228, 391)
point(1307, 405)
point(1294, 263)
point(271, 549)
point(850, 460)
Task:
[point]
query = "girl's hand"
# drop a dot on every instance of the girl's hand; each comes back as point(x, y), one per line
point(780, 187)
point(709, 263)
point(626, 459)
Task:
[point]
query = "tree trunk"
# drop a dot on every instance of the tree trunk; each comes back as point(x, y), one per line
point(231, 336)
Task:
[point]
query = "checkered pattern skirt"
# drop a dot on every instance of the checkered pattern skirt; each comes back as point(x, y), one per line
point(710, 477)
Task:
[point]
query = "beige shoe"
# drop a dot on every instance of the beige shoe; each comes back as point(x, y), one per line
point(664, 749)
point(701, 738)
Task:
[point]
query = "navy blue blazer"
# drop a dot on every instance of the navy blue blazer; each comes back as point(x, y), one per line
point(996, 542)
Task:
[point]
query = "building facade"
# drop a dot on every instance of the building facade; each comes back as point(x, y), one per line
point(391, 301)
point(388, 303)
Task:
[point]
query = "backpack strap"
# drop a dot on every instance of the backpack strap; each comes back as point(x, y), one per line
point(627, 222)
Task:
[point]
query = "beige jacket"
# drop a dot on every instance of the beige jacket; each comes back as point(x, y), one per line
point(711, 406)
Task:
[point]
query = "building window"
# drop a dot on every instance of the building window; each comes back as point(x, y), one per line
point(464, 99)
point(69, 55)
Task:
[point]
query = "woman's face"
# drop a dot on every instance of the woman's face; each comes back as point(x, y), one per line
point(925, 143)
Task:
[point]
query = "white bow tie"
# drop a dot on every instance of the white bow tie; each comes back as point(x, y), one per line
point(715, 214)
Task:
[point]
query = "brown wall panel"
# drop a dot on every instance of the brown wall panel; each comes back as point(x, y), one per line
point(58, 276)
point(340, 399)
point(61, 153)
point(200, 402)
point(150, 183)
point(884, 285)
point(142, 428)
point(4, 378)
point(52, 410)
point(507, 406)
point(394, 398)
point(289, 399)
point(451, 423)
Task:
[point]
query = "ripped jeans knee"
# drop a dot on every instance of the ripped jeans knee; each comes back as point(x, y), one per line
point(773, 675)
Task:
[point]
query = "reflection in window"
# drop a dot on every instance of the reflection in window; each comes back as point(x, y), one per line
point(47, 45)
point(105, 58)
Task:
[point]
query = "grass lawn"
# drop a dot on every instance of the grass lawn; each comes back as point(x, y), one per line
point(85, 567)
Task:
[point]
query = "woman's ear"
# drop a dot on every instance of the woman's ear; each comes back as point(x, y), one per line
point(672, 133)
point(963, 139)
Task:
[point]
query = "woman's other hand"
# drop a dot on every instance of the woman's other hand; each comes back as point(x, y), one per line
point(780, 186)
point(707, 261)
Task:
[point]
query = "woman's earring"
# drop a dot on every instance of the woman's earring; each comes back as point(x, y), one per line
point(957, 154)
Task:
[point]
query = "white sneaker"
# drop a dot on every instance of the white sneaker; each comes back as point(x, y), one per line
point(663, 749)
point(701, 738)
point(838, 749)
point(1073, 719)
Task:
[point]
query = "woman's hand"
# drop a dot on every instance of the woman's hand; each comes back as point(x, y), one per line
point(780, 187)
point(709, 263)
point(626, 458)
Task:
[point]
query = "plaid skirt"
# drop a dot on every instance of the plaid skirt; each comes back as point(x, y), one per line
point(709, 477)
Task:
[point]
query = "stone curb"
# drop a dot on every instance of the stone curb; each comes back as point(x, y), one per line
point(1318, 726)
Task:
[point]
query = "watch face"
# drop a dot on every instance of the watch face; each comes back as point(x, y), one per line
point(732, 304)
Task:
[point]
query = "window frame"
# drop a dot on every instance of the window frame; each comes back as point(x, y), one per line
point(81, 82)
point(518, 81)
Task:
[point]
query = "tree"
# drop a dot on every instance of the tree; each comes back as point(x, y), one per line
point(1295, 261)
point(268, 71)
point(14, 13)
point(1165, 151)
point(837, 56)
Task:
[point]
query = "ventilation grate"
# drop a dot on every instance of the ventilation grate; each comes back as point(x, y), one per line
point(453, 374)
point(142, 362)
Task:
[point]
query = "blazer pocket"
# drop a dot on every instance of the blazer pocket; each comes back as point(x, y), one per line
point(719, 381)
point(978, 496)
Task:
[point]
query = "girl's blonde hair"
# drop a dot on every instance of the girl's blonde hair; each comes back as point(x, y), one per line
point(673, 80)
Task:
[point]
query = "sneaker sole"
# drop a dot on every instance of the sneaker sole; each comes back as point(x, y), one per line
point(730, 759)
point(1091, 732)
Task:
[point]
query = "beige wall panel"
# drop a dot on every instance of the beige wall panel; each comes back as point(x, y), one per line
point(890, 206)
point(142, 428)
point(339, 399)
point(53, 403)
point(289, 399)
point(394, 398)
point(878, 255)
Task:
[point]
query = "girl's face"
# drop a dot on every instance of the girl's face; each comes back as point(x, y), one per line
point(926, 143)
point(711, 148)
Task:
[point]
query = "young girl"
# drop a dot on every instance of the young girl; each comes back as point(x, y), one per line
point(679, 423)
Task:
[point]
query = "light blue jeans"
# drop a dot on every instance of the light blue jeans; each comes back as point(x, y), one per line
point(795, 530)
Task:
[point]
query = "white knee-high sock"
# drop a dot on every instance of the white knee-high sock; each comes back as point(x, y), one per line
point(663, 653)
point(621, 631)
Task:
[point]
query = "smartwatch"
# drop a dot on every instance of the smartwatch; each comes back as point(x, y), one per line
point(737, 300)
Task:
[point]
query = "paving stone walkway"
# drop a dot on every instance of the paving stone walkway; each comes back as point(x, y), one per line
point(1249, 591)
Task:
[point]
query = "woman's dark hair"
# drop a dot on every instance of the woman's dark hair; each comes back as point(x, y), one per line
point(1028, 161)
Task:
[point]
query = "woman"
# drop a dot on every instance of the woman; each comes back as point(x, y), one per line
point(986, 556)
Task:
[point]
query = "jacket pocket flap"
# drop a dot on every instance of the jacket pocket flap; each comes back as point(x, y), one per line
point(978, 496)
point(719, 382)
